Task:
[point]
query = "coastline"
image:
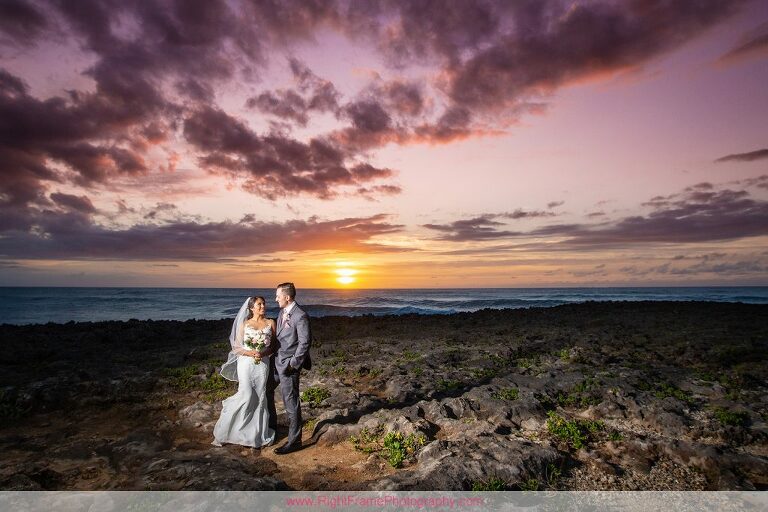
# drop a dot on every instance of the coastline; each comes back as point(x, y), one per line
point(655, 395)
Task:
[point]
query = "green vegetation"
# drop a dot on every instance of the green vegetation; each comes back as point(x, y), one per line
point(338, 359)
point(564, 354)
point(583, 394)
point(732, 418)
point(215, 383)
point(186, 377)
point(409, 355)
point(576, 433)
point(484, 373)
point(506, 394)
point(493, 483)
point(552, 474)
point(375, 372)
point(201, 377)
point(497, 360)
point(532, 484)
point(705, 375)
point(449, 385)
point(315, 395)
point(665, 390)
point(418, 370)
point(395, 447)
point(615, 435)
point(588, 384)
point(574, 399)
point(528, 362)
point(367, 441)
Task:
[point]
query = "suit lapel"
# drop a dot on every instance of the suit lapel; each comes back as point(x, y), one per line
point(281, 321)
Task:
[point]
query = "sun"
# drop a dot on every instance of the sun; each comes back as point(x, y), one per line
point(346, 276)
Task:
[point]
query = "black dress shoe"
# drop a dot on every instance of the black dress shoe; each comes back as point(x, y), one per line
point(288, 448)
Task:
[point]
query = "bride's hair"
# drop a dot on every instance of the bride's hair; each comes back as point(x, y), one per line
point(251, 302)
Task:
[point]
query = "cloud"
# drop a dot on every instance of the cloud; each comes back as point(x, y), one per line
point(274, 166)
point(57, 235)
point(753, 44)
point(555, 204)
point(690, 217)
point(484, 227)
point(21, 20)
point(478, 228)
point(758, 182)
point(522, 214)
point(313, 94)
point(478, 67)
point(556, 43)
point(745, 157)
point(77, 203)
point(721, 264)
point(698, 214)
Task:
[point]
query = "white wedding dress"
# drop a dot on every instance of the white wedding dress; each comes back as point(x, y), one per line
point(244, 418)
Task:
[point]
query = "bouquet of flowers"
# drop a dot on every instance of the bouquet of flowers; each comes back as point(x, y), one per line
point(257, 341)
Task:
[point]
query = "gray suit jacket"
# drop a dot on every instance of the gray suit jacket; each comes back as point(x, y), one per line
point(294, 340)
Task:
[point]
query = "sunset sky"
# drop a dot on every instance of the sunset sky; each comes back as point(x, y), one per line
point(388, 144)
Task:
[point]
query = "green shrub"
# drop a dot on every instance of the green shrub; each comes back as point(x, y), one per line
point(506, 394)
point(215, 383)
point(484, 373)
point(367, 441)
point(409, 355)
point(448, 385)
point(665, 390)
point(576, 433)
point(395, 447)
point(733, 418)
point(184, 378)
point(553, 475)
point(532, 484)
point(493, 483)
point(528, 362)
point(315, 395)
point(202, 377)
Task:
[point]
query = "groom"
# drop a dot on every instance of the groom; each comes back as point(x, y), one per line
point(293, 335)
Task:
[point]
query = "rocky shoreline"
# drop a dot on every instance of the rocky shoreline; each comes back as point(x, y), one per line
point(610, 395)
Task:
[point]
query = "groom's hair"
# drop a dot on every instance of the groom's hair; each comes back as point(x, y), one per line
point(288, 289)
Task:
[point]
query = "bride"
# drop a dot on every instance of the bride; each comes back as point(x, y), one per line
point(244, 418)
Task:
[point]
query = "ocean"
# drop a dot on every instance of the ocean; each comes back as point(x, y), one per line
point(60, 305)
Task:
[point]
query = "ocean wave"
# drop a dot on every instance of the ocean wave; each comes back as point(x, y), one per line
point(23, 305)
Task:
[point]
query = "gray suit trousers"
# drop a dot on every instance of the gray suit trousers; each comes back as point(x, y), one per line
point(289, 387)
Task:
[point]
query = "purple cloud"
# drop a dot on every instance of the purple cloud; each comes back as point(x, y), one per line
point(753, 44)
point(698, 214)
point(745, 157)
point(71, 235)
